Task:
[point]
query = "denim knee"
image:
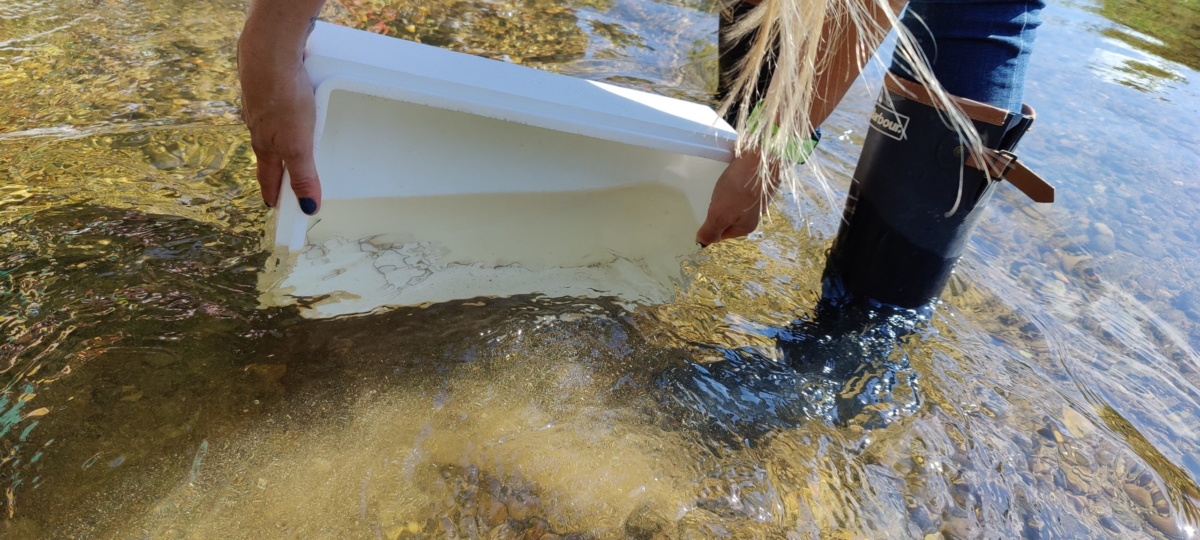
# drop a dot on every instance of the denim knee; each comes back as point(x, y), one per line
point(978, 49)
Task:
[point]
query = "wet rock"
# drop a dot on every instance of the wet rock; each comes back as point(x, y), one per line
point(1166, 524)
point(521, 505)
point(1022, 440)
point(1054, 288)
point(269, 373)
point(1139, 495)
point(1127, 519)
point(1189, 303)
point(162, 159)
point(1076, 481)
point(266, 376)
point(1071, 262)
point(1132, 247)
point(1035, 527)
point(645, 523)
point(1108, 522)
point(536, 529)
point(1051, 432)
point(492, 511)
point(961, 525)
point(1101, 239)
point(411, 528)
point(1077, 424)
point(1160, 501)
point(20, 528)
point(1176, 317)
point(923, 518)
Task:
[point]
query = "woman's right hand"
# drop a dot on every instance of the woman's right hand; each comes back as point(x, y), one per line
point(278, 104)
point(737, 201)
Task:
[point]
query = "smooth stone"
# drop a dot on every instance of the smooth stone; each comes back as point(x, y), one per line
point(645, 524)
point(962, 528)
point(1139, 495)
point(1055, 288)
point(1077, 423)
point(1131, 246)
point(1102, 244)
point(522, 505)
point(1167, 525)
point(1109, 523)
point(1101, 238)
point(1189, 303)
point(1154, 250)
point(1069, 262)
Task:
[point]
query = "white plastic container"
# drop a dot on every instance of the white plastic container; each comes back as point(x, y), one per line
point(448, 176)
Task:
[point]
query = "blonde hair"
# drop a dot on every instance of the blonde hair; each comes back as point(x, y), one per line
point(790, 33)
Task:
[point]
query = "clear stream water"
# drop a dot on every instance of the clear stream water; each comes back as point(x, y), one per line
point(144, 395)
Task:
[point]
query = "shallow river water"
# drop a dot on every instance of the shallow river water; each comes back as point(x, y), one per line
point(143, 393)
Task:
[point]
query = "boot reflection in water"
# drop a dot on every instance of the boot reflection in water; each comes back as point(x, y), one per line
point(918, 190)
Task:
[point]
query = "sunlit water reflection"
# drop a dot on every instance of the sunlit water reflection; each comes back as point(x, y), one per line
point(144, 395)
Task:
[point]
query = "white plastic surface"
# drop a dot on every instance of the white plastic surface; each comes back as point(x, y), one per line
point(398, 120)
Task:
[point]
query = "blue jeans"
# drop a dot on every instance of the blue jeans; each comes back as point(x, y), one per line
point(978, 49)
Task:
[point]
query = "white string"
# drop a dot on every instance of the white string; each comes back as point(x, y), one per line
point(962, 164)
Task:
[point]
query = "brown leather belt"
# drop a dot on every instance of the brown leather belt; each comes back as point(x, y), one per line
point(997, 164)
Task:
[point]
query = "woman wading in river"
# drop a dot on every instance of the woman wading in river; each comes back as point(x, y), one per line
point(940, 138)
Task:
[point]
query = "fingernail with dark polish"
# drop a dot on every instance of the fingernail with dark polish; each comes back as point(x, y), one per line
point(308, 206)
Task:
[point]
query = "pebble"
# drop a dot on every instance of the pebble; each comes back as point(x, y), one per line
point(522, 505)
point(163, 160)
point(1132, 247)
point(1076, 423)
point(1033, 527)
point(1075, 482)
point(1139, 495)
point(645, 524)
point(1167, 524)
point(1189, 303)
point(1101, 239)
point(964, 527)
point(270, 373)
point(1069, 262)
point(1054, 288)
point(494, 512)
point(1109, 523)
point(536, 529)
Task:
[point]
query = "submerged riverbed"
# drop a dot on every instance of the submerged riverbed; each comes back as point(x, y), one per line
point(146, 395)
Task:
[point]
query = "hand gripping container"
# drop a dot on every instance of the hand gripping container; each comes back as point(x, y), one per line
point(448, 176)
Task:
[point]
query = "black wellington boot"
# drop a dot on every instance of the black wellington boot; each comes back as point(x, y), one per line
point(906, 222)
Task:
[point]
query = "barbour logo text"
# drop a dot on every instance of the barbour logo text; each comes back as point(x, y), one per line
point(889, 122)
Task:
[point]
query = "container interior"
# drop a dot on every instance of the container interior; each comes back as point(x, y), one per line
point(494, 208)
